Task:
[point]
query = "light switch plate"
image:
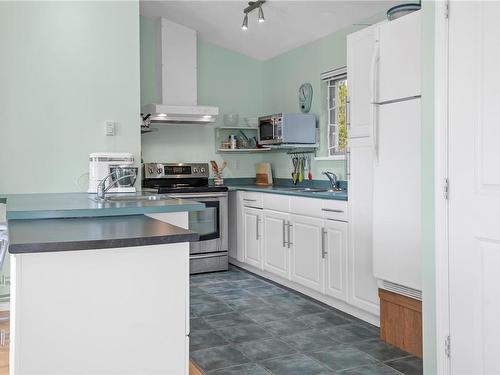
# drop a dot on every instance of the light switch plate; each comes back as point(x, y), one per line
point(109, 128)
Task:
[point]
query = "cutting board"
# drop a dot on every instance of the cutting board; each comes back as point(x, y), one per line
point(263, 174)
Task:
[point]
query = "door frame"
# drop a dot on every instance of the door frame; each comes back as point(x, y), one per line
point(441, 255)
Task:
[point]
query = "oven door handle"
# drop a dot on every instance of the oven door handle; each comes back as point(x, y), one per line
point(210, 255)
point(196, 196)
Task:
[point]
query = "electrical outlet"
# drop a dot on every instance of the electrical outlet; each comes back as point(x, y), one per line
point(233, 164)
point(110, 128)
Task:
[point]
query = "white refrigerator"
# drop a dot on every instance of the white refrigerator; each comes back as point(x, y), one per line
point(397, 148)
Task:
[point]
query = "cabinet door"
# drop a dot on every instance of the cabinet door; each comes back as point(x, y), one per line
point(307, 266)
point(400, 55)
point(397, 216)
point(275, 243)
point(335, 249)
point(252, 218)
point(360, 75)
point(362, 283)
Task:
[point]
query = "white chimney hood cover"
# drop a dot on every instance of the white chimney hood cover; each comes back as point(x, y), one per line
point(176, 70)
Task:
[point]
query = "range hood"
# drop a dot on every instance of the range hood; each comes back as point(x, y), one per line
point(176, 77)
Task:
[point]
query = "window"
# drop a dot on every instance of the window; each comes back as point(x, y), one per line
point(336, 82)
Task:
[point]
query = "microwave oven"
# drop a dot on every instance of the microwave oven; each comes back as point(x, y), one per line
point(287, 128)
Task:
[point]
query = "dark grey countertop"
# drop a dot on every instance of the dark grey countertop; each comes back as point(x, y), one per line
point(69, 234)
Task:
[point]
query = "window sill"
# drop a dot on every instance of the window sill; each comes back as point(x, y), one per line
point(330, 158)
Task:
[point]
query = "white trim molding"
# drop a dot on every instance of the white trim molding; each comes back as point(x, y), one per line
point(441, 65)
point(337, 73)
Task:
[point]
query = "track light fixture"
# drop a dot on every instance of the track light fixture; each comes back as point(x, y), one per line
point(244, 26)
point(251, 6)
point(261, 15)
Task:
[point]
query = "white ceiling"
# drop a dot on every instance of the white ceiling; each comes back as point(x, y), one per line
point(289, 24)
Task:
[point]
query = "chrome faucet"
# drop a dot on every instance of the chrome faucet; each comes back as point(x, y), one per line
point(102, 188)
point(333, 180)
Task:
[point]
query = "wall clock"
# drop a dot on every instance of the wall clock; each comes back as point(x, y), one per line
point(305, 97)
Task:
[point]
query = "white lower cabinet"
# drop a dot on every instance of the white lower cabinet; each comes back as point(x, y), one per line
point(307, 265)
point(317, 250)
point(276, 244)
point(335, 245)
point(252, 234)
point(114, 311)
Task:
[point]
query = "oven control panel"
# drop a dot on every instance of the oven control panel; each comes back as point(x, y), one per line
point(175, 170)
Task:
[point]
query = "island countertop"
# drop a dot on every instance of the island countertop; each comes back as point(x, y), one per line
point(70, 205)
point(70, 234)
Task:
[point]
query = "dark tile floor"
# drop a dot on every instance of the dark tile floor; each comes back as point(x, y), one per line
point(244, 325)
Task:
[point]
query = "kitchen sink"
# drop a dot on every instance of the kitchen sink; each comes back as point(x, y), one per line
point(329, 191)
point(132, 198)
point(314, 190)
point(305, 190)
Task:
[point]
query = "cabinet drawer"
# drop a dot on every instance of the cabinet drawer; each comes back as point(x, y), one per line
point(251, 199)
point(335, 210)
point(306, 206)
point(276, 202)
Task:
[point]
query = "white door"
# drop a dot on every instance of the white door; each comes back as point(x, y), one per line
point(397, 195)
point(307, 264)
point(363, 290)
point(360, 75)
point(335, 253)
point(252, 218)
point(275, 243)
point(400, 58)
point(474, 198)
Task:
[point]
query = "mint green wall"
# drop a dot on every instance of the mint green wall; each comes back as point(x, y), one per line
point(148, 61)
point(66, 67)
point(227, 79)
point(285, 73)
point(428, 248)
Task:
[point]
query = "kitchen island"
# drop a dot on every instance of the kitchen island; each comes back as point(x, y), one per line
point(99, 287)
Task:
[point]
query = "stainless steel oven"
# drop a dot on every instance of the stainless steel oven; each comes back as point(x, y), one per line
point(190, 181)
point(210, 253)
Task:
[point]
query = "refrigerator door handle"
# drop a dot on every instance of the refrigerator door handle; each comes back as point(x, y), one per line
point(374, 96)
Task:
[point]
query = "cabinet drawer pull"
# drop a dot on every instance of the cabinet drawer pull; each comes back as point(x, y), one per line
point(332, 210)
point(284, 234)
point(257, 228)
point(289, 238)
point(323, 247)
point(337, 220)
point(249, 200)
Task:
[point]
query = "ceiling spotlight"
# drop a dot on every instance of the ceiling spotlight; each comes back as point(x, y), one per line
point(244, 26)
point(252, 5)
point(261, 15)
